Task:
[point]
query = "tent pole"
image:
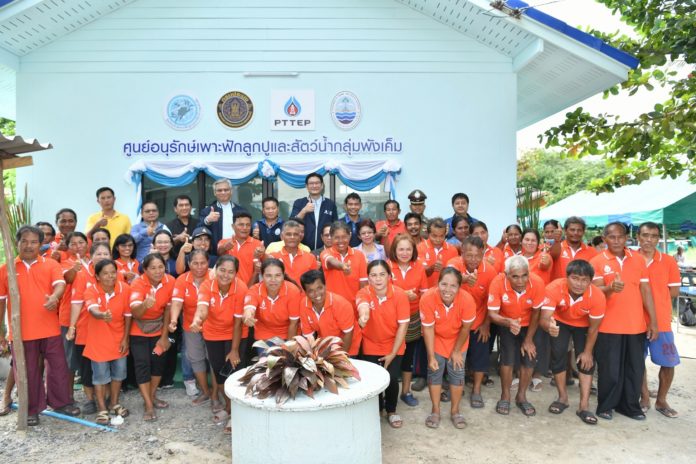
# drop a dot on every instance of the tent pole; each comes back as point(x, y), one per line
point(664, 234)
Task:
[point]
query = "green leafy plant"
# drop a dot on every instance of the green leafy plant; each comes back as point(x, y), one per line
point(19, 214)
point(528, 206)
point(301, 364)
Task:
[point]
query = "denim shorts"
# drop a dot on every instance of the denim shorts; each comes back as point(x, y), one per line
point(104, 372)
point(455, 376)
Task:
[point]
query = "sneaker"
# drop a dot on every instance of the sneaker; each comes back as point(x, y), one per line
point(90, 407)
point(409, 399)
point(191, 388)
point(419, 384)
point(166, 386)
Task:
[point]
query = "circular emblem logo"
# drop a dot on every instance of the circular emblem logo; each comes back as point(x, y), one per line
point(345, 110)
point(235, 109)
point(182, 112)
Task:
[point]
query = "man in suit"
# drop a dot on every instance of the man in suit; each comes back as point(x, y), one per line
point(218, 217)
point(315, 210)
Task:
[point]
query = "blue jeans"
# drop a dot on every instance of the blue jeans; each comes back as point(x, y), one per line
point(186, 369)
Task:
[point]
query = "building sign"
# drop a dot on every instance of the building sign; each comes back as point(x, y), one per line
point(292, 110)
point(182, 112)
point(345, 110)
point(235, 109)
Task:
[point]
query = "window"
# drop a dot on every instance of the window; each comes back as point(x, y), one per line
point(247, 195)
point(164, 197)
point(372, 201)
point(287, 195)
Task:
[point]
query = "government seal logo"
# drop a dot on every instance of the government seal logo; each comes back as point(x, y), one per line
point(182, 112)
point(345, 110)
point(235, 109)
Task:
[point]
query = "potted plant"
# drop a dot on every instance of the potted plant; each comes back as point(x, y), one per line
point(302, 364)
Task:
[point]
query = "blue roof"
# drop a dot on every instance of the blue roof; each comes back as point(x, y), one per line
point(574, 33)
point(5, 2)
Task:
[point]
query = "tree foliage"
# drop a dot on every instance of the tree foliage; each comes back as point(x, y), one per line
point(557, 175)
point(7, 127)
point(658, 142)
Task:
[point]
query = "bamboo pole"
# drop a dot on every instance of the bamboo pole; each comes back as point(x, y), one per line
point(20, 365)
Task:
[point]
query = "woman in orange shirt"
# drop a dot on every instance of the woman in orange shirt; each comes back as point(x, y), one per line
point(185, 296)
point(108, 326)
point(383, 311)
point(151, 294)
point(511, 241)
point(271, 306)
point(447, 313)
point(219, 318)
point(124, 255)
point(408, 273)
point(345, 268)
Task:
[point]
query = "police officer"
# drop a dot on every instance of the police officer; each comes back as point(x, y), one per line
point(417, 199)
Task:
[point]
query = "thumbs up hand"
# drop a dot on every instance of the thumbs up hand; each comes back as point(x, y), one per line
point(553, 328)
point(346, 268)
point(106, 316)
point(187, 246)
point(617, 285)
point(149, 301)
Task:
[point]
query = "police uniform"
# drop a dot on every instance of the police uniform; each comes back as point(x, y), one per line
point(418, 197)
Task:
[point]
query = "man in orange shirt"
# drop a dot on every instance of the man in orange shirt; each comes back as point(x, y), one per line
point(623, 277)
point(579, 308)
point(573, 247)
point(435, 251)
point(296, 261)
point(392, 225)
point(493, 255)
point(245, 248)
point(41, 286)
point(665, 280)
point(514, 300)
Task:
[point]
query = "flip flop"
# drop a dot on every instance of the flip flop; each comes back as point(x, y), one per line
point(160, 404)
point(458, 421)
point(476, 401)
point(557, 407)
point(220, 417)
point(150, 416)
point(668, 412)
point(587, 417)
point(5, 410)
point(432, 421)
point(228, 427)
point(503, 407)
point(606, 415)
point(395, 421)
point(535, 386)
point(526, 408)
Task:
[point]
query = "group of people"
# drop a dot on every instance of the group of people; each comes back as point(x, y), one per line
point(120, 300)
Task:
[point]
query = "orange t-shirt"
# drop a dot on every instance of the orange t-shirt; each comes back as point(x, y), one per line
point(223, 310)
point(140, 289)
point(502, 297)
point(35, 281)
point(84, 279)
point(336, 281)
point(296, 265)
point(393, 231)
point(496, 254)
point(508, 252)
point(104, 338)
point(185, 291)
point(335, 319)
point(385, 316)
point(624, 309)
point(66, 264)
point(664, 273)
point(534, 263)
point(273, 315)
point(479, 291)
point(131, 266)
point(448, 320)
point(429, 254)
point(567, 255)
point(244, 252)
point(413, 278)
point(591, 305)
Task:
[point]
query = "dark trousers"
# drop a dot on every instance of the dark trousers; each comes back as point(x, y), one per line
point(388, 399)
point(620, 369)
point(171, 358)
point(543, 346)
point(51, 349)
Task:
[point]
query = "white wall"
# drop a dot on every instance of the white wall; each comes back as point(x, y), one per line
point(447, 98)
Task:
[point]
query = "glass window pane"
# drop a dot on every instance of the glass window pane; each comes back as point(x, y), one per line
point(287, 195)
point(164, 197)
point(248, 195)
point(372, 201)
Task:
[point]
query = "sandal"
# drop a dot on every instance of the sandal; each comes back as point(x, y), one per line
point(33, 421)
point(476, 401)
point(488, 382)
point(160, 404)
point(102, 418)
point(432, 421)
point(458, 421)
point(557, 407)
point(515, 383)
point(587, 417)
point(606, 415)
point(69, 410)
point(667, 412)
point(535, 386)
point(503, 407)
point(526, 408)
point(5, 410)
point(395, 420)
point(149, 416)
point(200, 399)
point(119, 410)
point(228, 427)
point(220, 417)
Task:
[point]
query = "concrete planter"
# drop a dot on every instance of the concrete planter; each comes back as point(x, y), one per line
point(343, 428)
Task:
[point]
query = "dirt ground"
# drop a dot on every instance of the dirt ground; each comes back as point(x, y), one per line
point(186, 434)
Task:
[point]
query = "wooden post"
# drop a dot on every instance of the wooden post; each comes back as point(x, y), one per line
point(664, 237)
point(20, 365)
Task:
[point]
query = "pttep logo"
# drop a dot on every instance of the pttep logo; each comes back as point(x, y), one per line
point(292, 110)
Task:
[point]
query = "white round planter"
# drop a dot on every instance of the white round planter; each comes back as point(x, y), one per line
point(328, 428)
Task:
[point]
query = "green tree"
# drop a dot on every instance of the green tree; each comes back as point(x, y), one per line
point(658, 142)
point(7, 128)
point(557, 175)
